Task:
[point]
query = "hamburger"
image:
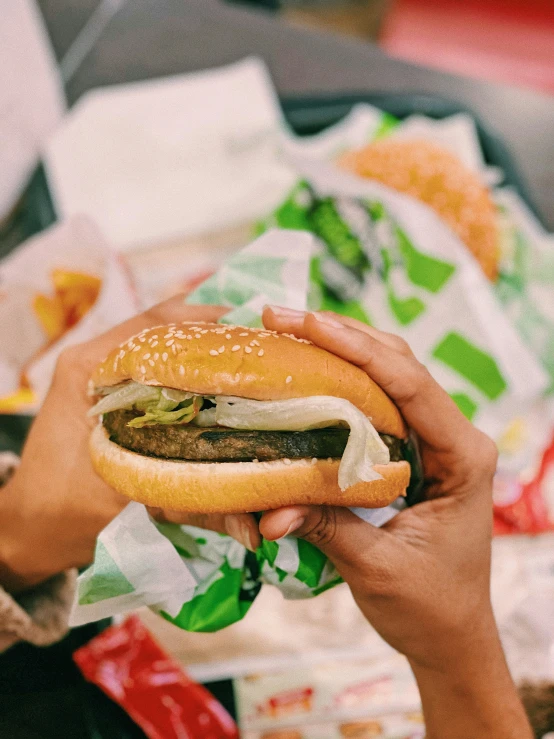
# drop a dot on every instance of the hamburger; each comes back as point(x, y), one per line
point(226, 419)
point(436, 177)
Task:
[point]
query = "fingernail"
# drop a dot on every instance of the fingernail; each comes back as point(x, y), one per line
point(236, 528)
point(327, 320)
point(295, 525)
point(280, 311)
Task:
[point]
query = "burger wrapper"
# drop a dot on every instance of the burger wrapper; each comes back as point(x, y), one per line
point(198, 579)
point(410, 275)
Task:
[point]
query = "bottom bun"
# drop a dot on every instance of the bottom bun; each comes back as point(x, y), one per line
point(238, 487)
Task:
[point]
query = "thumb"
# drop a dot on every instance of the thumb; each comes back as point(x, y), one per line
point(337, 532)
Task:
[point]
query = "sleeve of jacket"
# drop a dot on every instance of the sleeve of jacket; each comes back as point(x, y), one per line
point(38, 615)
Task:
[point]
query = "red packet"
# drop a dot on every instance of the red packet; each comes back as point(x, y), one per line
point(523, 508)
point(129, 665)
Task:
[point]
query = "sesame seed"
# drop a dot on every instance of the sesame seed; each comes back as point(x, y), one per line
point(254, 343)
point(196, 336)
point(228, 336)
point(143, 369)
point(255, 460)
point(151, 362)
point(289, 379)
point(181, 370)
point(214, 352)
point(314, 460)
point(204, 331)
point(244, 333)
point(101, 370)
point(156, 355)
point(147, 355)
point(247, 349)
point(235, 348)
point(154, 336)
point(154, 343)
point(196, 372)
point(165, 355)
point(174, 349)
point(136, 349)
point(170, 342)
point(189, 336)
point(168, 336)
point(115, 365)
point(141, 338)
point(221, 349)
point(287, 461)
point(261, 353)
point(329, 459)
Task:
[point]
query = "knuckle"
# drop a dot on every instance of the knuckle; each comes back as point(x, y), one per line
point(402, 345)
point(414, 382)
point(323, 530)
point(487, 453)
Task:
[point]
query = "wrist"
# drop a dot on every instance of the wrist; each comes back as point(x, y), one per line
point(471, 693)
point(22, 564)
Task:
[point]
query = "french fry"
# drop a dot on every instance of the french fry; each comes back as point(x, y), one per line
point(51, 315)
point(75, 294)
point(17, 401)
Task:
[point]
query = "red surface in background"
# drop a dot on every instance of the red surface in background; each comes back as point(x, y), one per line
point(529, 514)
point(130, 666)
point(506, 40)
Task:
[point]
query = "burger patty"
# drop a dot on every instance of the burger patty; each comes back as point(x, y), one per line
point(219, 444)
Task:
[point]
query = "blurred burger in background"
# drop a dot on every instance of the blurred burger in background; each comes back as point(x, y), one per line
point(436, 177)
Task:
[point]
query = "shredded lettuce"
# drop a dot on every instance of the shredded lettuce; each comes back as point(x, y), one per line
point(206, 418)
point(159, 404)
point(364, 449)
point(182, 414)
point(120, 397)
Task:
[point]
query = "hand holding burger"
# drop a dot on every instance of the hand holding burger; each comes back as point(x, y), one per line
point(423, 579)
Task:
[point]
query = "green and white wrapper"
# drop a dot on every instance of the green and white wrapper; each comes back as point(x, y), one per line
point(201, 580)
point(338, 242)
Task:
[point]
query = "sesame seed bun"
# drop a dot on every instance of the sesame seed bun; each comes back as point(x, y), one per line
point(438, 178)
point(211, 359)
point(238, 487)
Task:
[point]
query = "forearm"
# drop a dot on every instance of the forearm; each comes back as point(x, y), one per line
point(474, 696)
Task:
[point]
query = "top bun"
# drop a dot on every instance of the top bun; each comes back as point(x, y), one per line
point(214, 359)
point(438, 178)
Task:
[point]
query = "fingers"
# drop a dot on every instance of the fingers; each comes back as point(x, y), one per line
point(241, 526)
point(427, 408)
point(292, 321)
point(341, 535)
